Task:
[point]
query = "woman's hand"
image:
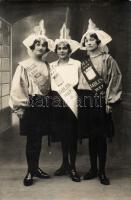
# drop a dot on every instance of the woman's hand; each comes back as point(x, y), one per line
point(20, 113)
point(108, 109)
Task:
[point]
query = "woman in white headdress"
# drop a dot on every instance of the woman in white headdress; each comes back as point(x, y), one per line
point(64, 79)
point(29, 98)
point(99, 89)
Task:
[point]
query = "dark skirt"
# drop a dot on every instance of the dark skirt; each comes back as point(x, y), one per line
point(36, 117)
point(63, 121)
point(92, 118)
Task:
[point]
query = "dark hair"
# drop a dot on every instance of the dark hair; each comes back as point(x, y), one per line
point(32, 47)
point(67, 45)
point(93, 35)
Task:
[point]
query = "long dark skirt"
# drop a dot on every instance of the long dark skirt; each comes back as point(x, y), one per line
point(92, 118)
point(36, 117)
point(63, 121)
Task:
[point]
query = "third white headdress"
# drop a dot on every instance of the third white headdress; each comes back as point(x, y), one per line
point(102, 36)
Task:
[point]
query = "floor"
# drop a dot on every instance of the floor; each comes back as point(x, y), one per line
point(13, 169)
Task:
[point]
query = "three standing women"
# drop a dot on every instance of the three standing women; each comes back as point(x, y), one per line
point(99, 88)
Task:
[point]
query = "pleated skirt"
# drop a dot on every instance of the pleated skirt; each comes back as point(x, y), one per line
point(63, 121)
point(92, 118)
point(36, 118)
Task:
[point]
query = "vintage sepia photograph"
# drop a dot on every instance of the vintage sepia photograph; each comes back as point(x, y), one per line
point(65, 99)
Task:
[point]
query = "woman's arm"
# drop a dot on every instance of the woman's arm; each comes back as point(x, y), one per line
point(19, 91)
point(114, 88)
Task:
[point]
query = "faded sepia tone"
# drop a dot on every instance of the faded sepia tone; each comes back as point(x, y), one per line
point(17, 18)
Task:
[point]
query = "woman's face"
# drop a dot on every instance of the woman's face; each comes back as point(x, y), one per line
point(62, 50)
point(90, 43)
point(40, 48)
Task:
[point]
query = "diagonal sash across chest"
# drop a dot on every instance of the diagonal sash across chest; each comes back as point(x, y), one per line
point(98, 85)
point(92, 77)
point(41, 80)
point(65, 90)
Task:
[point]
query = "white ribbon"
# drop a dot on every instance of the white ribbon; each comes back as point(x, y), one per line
point(65, 90)
point(40, 79)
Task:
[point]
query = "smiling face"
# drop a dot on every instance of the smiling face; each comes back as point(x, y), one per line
point(39, 47)
point(63, 50)
point(91, 42)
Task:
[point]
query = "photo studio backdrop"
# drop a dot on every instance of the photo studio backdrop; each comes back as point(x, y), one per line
point(114, 16)
point(5, 73)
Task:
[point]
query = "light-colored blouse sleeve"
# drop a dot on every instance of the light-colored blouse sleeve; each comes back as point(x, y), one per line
point(19, 89)
point(114, 89)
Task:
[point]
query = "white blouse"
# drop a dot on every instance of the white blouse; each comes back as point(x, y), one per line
point(108, 69)
point(23, 84)
point(67, 71)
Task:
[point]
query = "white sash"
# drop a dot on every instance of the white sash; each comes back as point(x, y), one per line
point(65, 90)
point(40, 79)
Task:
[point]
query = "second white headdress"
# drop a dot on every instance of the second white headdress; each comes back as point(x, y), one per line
point(65, 37)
